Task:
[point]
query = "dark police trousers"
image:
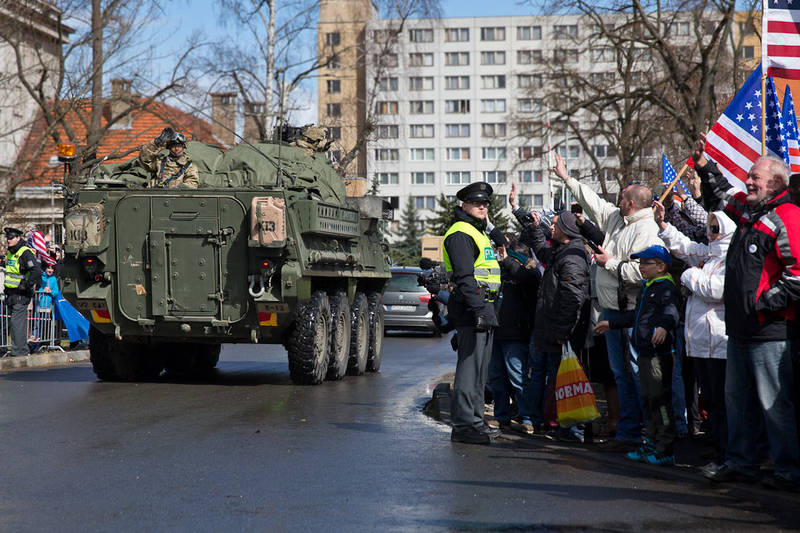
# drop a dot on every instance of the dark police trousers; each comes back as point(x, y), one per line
point(472, 369)
point(17, 304)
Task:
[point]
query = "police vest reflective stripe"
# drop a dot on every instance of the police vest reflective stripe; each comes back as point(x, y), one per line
point(13, 274)
point(486, 268)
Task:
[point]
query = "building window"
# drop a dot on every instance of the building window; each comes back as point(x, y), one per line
point(387, 84)
point(494, 129)
point(565, 31)
point(388, 131)
point(456, 82)
point(529, 33)
point(420, 59)
point(383, 36)
point(525, 200)
point(420, 107)
point(529, 105)
point(419, 131)
point(334, 156)
point(603, 54)
point(529, 81)
point(456, 59)
point(493, 105)
point(496, 33)
point(334, 132)
point(334, 86)
point(748, 52)
point(602, 78)
point(529, 57)
point(493, 153)
point(388, 178)
point(529, 128)
point(420, 154)
point(538, 201)
point(420, 36)
point(425, 202)
point(746, 27)
point(333, 110)
point(386, 108)
point(387, 154)
point(458, 178)
point(334, 63)
point(603, 150)
point(565, 55)
point(394, 201)
point(422, 178)
point(454, 35)
point(420, 83)
point(458, 154)
point(493, 82)
point(456, 106)
point(456, 130)
point(332, 39)
point(494, 176)
point(680, 29)
point(493, 58)
point(529, 152)
point(387, 60)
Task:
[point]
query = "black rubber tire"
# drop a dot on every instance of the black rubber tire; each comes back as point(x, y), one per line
point(309, 340)
point(359, 335)
point(339, 350)
point(206, 357)
point(100, 355)
point(375, 344)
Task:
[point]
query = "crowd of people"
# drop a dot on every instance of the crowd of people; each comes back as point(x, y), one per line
point(680, 305)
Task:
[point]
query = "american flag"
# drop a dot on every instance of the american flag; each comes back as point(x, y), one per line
point(36, 241)
point(789, 123)
point(668, 174)
point(782, 39)
point(734, 141)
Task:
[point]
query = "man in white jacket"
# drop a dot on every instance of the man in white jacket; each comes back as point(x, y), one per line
point(629, 228)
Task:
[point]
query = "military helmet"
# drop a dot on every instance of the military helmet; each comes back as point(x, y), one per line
point(175, 139)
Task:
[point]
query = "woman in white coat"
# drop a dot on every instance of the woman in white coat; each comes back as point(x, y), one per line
point(706, 341)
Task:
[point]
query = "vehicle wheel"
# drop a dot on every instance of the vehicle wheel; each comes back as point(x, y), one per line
point(309, 341)
point(150, 362)
point(206, 357)
point(359, 336)
point(340, 336)
point(375, 350)
point(100, 354)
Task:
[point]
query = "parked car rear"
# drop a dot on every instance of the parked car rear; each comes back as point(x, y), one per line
point(405, 302)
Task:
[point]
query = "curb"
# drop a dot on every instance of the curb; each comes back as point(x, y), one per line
point(40, 360)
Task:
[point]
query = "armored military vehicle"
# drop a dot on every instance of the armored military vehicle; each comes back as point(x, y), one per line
point(267, 250)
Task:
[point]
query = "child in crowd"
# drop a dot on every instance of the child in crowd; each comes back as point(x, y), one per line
point(654, 320)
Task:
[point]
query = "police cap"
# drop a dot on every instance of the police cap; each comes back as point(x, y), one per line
point(12, 232)
point(475, 192)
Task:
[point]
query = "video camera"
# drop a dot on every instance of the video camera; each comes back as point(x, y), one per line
point(434, 276)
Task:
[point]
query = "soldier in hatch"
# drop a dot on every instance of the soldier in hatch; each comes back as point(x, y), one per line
point(174, 169)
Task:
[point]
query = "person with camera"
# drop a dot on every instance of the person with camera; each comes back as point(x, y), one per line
point(174, 169)
point(23, 274)
point(475, 274)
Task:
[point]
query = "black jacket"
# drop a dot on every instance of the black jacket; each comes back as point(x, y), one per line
point(762, 269)
point(562, 311)
point(517, 307)
point(656, 307)
point(466, 303)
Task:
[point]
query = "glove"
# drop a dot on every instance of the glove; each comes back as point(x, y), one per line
point(481, 324)
point(166, 134)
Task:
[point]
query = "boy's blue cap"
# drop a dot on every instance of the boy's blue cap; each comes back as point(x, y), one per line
point(654, 252)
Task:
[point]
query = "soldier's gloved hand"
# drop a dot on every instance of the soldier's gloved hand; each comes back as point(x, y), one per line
point(481, 324)
point(166, 134)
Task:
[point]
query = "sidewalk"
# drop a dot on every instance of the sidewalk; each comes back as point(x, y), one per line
point(43, 359)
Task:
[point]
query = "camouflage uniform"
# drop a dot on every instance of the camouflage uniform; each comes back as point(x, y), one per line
point(169, 172)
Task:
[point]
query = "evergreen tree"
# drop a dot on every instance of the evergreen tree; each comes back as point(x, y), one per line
point(442, 215)
point(375, 186)
point(408, 249)
point(496, 215)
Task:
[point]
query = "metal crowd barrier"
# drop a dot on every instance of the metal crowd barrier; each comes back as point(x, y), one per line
point(43, 329)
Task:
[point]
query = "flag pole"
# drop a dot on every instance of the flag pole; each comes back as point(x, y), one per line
point(672, 183)
point(764, 7)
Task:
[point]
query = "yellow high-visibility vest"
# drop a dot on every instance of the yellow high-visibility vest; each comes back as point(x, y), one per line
point(486, 268)
point(13, 275)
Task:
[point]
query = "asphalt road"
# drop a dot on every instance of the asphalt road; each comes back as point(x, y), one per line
point(247, 450)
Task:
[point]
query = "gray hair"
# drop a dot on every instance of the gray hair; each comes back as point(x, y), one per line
point(777, 167)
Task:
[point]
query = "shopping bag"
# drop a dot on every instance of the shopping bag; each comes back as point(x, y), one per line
point(575, 400)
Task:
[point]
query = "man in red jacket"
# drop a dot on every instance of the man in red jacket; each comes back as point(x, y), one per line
point(762, 285)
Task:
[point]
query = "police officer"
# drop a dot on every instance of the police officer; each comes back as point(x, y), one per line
point(475, 274)
point(174, 169)
point(23, 274)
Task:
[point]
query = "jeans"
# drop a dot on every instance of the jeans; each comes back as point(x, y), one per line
point(626, 375)
point(544, 367)
point(508, 369)
point(758, 380)
point(678, 390)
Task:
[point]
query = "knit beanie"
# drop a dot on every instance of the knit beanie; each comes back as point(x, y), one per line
point(566, 223)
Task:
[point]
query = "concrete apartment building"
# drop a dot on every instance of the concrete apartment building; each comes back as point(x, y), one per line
point(448, 95)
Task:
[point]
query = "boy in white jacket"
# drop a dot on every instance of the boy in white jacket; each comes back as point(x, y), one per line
point(706, 341)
